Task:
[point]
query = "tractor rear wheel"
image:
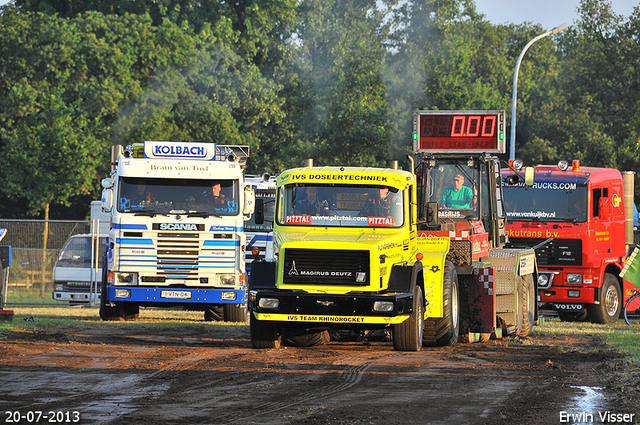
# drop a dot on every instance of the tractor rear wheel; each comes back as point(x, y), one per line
point(445, 330)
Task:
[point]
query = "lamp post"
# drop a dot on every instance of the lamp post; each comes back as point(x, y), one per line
point(512, 152)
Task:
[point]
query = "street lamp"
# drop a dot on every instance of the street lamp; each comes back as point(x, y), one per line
point(512, 152)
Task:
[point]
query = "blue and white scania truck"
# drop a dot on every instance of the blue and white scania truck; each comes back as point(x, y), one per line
point(176, 238)
point(259, 229)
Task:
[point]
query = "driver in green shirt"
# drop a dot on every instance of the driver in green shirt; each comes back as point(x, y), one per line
point(458, 195)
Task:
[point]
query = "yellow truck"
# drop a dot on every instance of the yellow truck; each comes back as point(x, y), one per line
point(417, 252)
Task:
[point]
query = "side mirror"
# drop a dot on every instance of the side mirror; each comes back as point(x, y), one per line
point(107, 200)
point(249, 201)
point(107, 183)
point(512, 180)
point(432, 214)
point(258, 215)
point(529, 176)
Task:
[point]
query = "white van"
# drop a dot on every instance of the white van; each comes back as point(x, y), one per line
point(78, 270)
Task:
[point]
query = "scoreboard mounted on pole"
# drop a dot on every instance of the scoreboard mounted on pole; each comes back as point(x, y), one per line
point(459, 131)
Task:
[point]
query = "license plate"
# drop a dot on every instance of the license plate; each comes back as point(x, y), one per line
point(568, 307)
point(181, 295)
point(77, 296)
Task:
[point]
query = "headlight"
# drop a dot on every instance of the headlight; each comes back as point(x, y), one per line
point(229, 296)
point(543, 281)
point(228, 279)
point(127, 279)
point(123, 293)
point(271, 303)
point(385, 306)
point(574, 278)
point(58, 287)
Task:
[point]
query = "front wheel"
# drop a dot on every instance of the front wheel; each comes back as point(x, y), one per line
point(131, 311)
point(632, 308)
point(214, 313)
point(610, 307)
point(407, 336)
point(263, 334)
point(235, 312)
point(108, 312)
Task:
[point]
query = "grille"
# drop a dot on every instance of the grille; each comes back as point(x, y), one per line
point(326, 267)
point(558, 252)
point(178, 255)
point(178, 258)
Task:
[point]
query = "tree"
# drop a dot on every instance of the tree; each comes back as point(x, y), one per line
point(254, 32)
point(73, 87)
point(342, 93)
point(47, 143)
point(589, 110)
point(62, 82)
point(214, 96)
point(258, 28)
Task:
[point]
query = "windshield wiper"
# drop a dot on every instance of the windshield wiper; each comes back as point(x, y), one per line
point(203, 214)
point(527, 219)
point(150, 213)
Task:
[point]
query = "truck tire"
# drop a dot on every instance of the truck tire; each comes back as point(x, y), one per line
point(111, 313)
point(608, 311)
point(295, 338)
point(445, 330)
point(214, 313)
point(235, 313)
point(108, 313)
point(131, 311)
point(407, 336)
point(263, 334)
point(528, 301)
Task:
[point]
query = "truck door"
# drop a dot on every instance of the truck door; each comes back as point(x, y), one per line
point(608, 218)
point(494, 217)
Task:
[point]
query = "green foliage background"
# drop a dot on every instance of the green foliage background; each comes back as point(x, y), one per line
point(335, 80)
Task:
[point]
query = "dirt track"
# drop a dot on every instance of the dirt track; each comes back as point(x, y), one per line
point(209, 374)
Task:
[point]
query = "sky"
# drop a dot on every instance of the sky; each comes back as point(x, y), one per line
point(548, 13)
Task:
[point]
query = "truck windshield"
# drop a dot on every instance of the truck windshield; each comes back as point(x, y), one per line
point(546, 201)
point(340, 206)
point(455, 186)
point(169, 196)
point(268, 198)
point(76, 253)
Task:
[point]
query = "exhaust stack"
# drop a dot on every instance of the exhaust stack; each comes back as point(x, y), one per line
point(628, 185)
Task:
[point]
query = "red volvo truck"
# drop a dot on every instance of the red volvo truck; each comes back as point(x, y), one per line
point(580, 222)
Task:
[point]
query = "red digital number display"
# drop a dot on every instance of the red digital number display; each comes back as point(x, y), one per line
point(460, 131)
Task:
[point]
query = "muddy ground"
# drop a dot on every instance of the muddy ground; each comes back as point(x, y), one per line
point(209, 374)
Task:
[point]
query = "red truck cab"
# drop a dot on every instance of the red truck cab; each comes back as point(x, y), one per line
point(575, 219)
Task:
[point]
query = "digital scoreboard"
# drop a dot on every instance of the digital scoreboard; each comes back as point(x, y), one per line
point(459, 131)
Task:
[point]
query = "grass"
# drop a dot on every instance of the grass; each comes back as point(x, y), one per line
point(619, 336)
point(31, 296)
point(50, 319)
